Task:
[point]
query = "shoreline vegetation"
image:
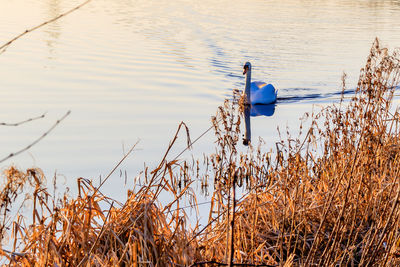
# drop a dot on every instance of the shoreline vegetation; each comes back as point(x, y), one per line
point(328, 198)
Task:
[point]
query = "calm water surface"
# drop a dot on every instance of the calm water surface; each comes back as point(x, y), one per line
point(133, 69)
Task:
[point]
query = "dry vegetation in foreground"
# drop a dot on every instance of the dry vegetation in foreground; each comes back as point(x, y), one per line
point(329, 199)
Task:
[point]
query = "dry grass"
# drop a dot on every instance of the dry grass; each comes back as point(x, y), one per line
point(331, 198)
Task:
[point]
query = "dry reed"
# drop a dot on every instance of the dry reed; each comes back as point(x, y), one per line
point(329, 198)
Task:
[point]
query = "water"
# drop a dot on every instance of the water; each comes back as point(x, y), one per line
point(132, 70)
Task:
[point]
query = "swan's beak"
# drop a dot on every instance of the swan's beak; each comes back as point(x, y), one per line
point(244, 70)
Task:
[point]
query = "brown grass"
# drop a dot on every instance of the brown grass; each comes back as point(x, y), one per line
point(328, 198)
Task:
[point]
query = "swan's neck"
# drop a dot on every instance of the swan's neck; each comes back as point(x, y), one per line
point(247, 85)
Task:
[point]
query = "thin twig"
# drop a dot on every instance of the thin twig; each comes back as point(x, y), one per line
point(22, 122)
point(7, 44)
point(37, 140)
point(116, 166)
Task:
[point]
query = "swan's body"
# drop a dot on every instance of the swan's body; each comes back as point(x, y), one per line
point(262, 93)
point(258, 92)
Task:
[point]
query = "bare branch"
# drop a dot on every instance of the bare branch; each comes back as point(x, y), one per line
point(22, 122)
point(7, 44)
point(37, 140)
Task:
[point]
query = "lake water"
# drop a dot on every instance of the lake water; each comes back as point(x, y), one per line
point(133, 69)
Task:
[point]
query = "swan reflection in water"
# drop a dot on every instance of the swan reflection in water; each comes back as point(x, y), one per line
point(254, 111)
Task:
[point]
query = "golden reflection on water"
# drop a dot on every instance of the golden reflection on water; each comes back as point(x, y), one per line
point(53, 31)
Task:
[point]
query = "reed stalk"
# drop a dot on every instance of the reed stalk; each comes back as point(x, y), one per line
point(329, 197)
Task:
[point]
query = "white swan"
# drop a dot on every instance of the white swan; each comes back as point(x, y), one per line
point(258, 92)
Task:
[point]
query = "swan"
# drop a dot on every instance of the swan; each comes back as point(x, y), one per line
point(258, 92)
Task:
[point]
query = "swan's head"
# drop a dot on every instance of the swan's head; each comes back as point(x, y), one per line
point(246, 67)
